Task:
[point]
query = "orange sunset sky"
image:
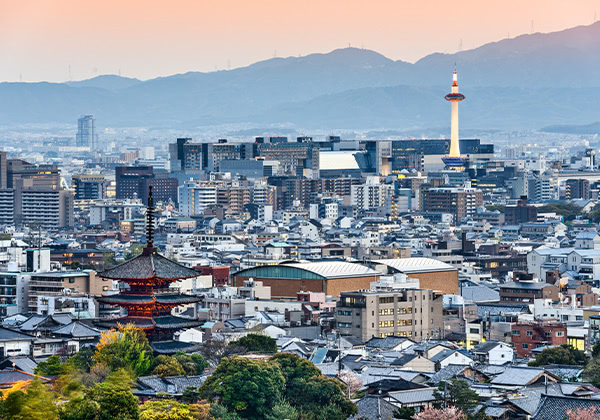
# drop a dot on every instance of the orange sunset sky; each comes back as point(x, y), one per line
point(39, 39)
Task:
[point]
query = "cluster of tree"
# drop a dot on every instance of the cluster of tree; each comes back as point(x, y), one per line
point(284, 386)
point(591, 373)
point(567, 210)
point(561, 355)
point(96, 384)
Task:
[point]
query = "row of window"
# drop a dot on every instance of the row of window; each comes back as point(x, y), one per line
point(399, 323)
point(529, 333)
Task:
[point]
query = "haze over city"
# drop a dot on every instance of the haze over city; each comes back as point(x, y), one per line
point(41, 40)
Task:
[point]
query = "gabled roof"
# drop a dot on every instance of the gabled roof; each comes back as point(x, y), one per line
point(486, 347)
point(12, 376)
point(77, 330)
point(520, 376)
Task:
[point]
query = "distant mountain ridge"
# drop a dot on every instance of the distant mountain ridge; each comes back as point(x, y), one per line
point(524, 82)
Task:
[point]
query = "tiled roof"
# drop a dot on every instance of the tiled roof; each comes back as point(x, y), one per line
point(174, 385)
point(77, 330)
point(11, 376)
point(149, 265)
point(372, 407)
point(415, 396)
point(10, 335)
point(172, 347)
point(554, 407)
point(518, 376)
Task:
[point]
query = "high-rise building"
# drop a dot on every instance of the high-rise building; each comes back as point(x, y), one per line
point(129, 178)
point(3, 171)
point(577, 189)
point(89, 186)
point(87, 136)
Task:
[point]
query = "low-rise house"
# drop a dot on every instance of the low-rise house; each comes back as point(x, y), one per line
point(414, 362)
point(452, 357)
point(523, 376)
point(13, 343)
point(493, 353)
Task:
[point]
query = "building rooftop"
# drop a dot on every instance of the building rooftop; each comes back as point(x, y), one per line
point(415, 265)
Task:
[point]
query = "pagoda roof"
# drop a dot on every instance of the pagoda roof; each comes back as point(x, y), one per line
point(138, 322)
point(172, 347)
point(164, 299)
point(149, 265)
point(177, 299)
point(125, 298)
point(166, 322)
point(171, 322)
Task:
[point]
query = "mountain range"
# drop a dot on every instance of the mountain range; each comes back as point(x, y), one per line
point(529, 81)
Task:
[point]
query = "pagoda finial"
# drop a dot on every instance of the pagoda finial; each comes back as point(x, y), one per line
point(150, 221)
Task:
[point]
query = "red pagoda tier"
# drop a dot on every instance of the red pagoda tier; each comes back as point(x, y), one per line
point(146, 295)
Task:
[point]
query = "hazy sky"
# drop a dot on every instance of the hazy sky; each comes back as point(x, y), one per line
point(39, 39)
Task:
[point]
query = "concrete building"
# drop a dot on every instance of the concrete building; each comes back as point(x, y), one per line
point(432, 274)
point(414, 313)
point(460, 202)
point(577, 189)
point(528, 336)
point(519, 292)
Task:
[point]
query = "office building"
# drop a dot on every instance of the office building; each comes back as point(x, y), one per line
point(89, 186)
point(87, 135)
point(414, 313)
point(460, 202)
point(519, 213)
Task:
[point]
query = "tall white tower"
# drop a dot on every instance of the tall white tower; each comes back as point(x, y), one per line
point(454, 158)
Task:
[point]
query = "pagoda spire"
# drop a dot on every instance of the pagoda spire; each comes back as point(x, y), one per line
point(149, 249)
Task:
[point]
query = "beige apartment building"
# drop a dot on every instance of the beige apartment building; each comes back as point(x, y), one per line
point(414, 313)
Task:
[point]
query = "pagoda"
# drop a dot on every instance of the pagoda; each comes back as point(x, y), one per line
point(145, 294)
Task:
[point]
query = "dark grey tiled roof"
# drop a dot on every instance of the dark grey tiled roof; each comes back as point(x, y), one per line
point(174, 385)
point(401, 361)
point(172, 347)
point(373, 407)
point(149, 265)
point(10, 335)
point(124, 298)
point(11, 376)
point(554, 407)
point(77, 330)
point(143, 323)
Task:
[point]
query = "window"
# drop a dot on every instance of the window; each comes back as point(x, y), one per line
point(547, 334)
point(516, 332)
point(345, 324)
point(388, 299)
point(529, 333)
point(384, 324)
point(560, 333)
point(525, 345)
point(387, 311)
point(71, 280)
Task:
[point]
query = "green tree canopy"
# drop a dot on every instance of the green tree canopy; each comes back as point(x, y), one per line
point(320, 397)
point(38, 403)
point(567, 210)
point(79, 409)
point(249, 387)
point(294, 369)
point(562, 355)
point(165, 410)
point(116, 403)
point(591, 372)
point(193, 364)
point(167, 366)
point(50, 368)
point(126, 347)
point(458, 394)
point(255, 343)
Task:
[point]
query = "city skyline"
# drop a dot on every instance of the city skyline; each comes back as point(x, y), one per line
point(74, 41)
